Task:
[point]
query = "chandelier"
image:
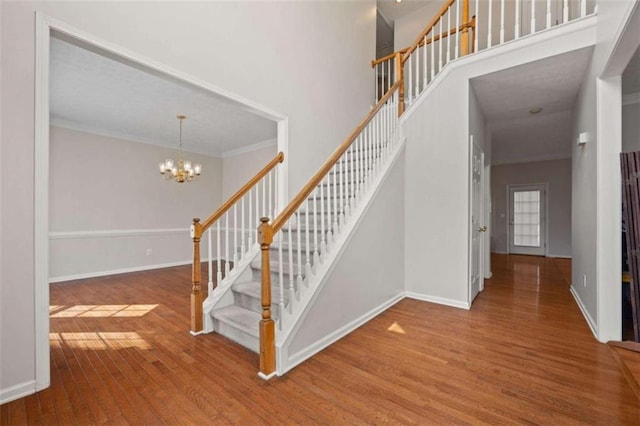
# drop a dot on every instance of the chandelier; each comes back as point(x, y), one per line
point(181, 170)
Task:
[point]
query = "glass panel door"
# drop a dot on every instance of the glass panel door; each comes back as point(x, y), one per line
point(526, 221)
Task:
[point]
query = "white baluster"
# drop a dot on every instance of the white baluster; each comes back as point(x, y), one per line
point(257, 218)
point(342, 192)
point(336, 220)
point(243, 248)
point(477, 26)
point(548, 13)
point(489, 24)
point(251, 221)
point(264, 197)
point(417, 83)
point(389, 63)
point(281, 279)
point(516, 30)
point(533, 16)
point(375, 76)
point(235, 235)
point(307, 266)
point(327, 201)
point(565, 12)
point(424, 65)
point(291, 274)
point(440, 53)
point(210, 263)
point(501, 21)
point(323, 241)
point(448, 35)
point(433, 56)
point(316, 252)
point(410, 91)
point(298, 238)
point(583, 8)
point(457, 50)
point(218, 254)
point(270, 196)
point(226, 242)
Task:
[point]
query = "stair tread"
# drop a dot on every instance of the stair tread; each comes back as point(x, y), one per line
point(254, 289)
point(241, 318)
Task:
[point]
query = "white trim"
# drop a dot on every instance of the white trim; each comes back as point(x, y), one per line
point(438, 300)
point(250, 148)
point(43, 26)
point(536, 159)
point(64, 124)
point(525, 42)
point(338, 334)
point(267, 376)
point(17, 391)
point(119, 271)
point(583, 309)
point(631, 98)
point(559, 256)
point(41, 203)
point(76, 235)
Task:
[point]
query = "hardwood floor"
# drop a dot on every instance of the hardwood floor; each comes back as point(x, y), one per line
point(121, 354)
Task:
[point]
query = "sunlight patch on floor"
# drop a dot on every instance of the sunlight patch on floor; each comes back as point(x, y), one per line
point(395, 327)
point(100, 311)
point(99, 340)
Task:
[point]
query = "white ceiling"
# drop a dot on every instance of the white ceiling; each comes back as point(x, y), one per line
point(94, 93)
point(506, 97)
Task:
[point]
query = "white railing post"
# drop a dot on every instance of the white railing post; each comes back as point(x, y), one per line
point(477, 26)
point(533, 16)
point(548, 13)
point(458, 23)
point(218, 255)
point(489, 24)
point(565, 12)
point(516, 30)
point(210, 263)
point(501, 21)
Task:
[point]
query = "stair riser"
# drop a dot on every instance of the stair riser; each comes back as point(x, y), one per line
point(254, 304)
point(238, 336)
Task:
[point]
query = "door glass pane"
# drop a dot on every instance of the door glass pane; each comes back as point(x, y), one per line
point(526, 218)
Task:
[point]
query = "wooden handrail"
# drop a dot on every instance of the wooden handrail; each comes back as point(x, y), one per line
point(235, 197)
point(462, 27)
point(279, 222)
point(386, 58)
point(428, 28)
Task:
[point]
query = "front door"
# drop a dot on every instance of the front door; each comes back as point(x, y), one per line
point(527, 219)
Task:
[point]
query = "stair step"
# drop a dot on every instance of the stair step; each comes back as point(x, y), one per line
point(238, 324)
point(248, 295)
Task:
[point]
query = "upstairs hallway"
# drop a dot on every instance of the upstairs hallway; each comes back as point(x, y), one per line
point(522, 354)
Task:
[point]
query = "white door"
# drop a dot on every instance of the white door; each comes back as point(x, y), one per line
point(527, 232)
point(477, 227)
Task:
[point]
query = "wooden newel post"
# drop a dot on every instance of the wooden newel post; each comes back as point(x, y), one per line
point(196, 295)
point(464, 37)
point(267, 325)
point(400, 77)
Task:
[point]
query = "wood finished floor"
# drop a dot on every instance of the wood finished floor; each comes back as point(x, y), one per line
point(121, 354)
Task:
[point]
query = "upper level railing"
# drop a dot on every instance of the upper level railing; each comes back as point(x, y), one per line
point(305, 231)
point(452, 33)
point(235, 227)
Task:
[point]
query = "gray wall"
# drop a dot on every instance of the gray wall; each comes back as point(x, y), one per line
point(284, 55)
point(108, 205)
point(557, 175)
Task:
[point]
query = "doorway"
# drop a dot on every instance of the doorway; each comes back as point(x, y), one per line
point(527, 219)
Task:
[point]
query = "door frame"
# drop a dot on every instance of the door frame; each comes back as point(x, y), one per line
point(45, 26)
point(545, 187)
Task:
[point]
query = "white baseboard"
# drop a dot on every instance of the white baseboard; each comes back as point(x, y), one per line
point(338, 334)
point(17, 391)
point(585, 313)
point(118, 271)
point(438, 300)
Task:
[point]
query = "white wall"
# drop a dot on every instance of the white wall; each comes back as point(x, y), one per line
point(557, 175)
point(631, 127)
point(108, 185)
point(307, 60)
point(238, 169)
point(367, 276)
point(437, 158)
point(595, 167)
